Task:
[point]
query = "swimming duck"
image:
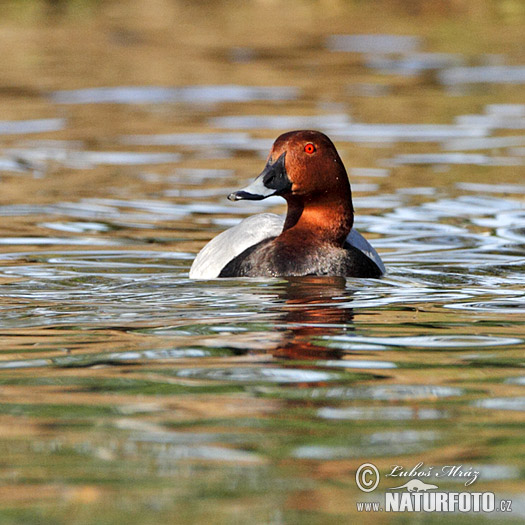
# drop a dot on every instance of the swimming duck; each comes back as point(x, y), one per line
point(316, 236)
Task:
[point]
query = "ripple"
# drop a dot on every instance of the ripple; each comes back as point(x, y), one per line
point(169, 446)
point(160, 354)
point(383, 393)
point(483, 74)
point(20, 127)
point(65, 241)
point(206, 453)
point(414, 64)
point(112, 259)
point(369, 172)
point(164, 210)
point(416, 227)
point(376, 201)
point(81, 209)
point(381, 413)
point(507, 305)
point(267, 375)
point(321, 452)
point(403, 436)
point(161, 95)
point(426, 341)
point(493, 121)
point(483, 143)
point(89, 159)
point(476, 159)
point(497, 472)
point(513, 234)
point(513, 217)
point(195, 140)
point(326, 122)
point(468, 206)
point(506, 110)
point(502, 403)
point(76, 227)
point(492, 188)
point(86, 360)
point(358, 364)
point(32, 363)
point(404, 132)
point(375, 444)
point(376, 43)
point(13, 165)
point(198, 176)
point(516, 381)
point(105, 258)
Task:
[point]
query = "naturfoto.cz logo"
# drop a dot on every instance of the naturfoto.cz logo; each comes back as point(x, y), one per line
point(416, 495)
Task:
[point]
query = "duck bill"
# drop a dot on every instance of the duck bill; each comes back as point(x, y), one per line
point(273, 180)
point(256, 191)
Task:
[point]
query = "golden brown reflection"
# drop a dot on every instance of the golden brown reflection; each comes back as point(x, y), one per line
point(314, 307)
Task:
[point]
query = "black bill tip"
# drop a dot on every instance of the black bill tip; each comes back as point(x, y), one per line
point(244, 195)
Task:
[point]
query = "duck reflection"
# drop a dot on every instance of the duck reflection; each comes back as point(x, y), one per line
point(313, 307)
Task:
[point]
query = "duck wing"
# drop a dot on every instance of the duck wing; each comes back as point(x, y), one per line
point(356, 240)
point(232, 242)
point(250, 231)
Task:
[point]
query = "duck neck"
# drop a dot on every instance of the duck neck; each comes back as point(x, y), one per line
point(326, 218)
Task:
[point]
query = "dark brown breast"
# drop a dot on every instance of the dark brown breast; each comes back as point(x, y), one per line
point(273, 259)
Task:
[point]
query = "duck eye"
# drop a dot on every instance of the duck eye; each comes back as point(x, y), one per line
point(309, 148)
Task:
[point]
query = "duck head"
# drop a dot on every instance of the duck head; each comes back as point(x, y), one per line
point(302, 166)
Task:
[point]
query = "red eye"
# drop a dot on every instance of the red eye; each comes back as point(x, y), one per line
point(309, 148)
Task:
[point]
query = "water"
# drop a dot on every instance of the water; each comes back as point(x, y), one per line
point(130, 393)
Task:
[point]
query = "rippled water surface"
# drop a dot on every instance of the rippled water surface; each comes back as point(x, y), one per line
point(131, 394)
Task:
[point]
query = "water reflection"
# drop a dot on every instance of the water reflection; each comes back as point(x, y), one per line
point(483, 74)
point(400, 442)
point(373, 413)
point(313, 307)
point(159, 95)
point(323, 122)
point(70, 158)
point(378, 43)
point(455, 158)
point(258, 375)
point(17, 127)
point(379, 392)
point(414, 64)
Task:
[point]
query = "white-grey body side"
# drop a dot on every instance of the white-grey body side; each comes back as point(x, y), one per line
point(252, 230)
point(232, 242)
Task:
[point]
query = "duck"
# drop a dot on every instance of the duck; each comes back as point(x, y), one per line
point(316, 237)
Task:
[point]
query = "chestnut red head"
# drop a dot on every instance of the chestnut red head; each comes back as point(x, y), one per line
point(302, 164)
